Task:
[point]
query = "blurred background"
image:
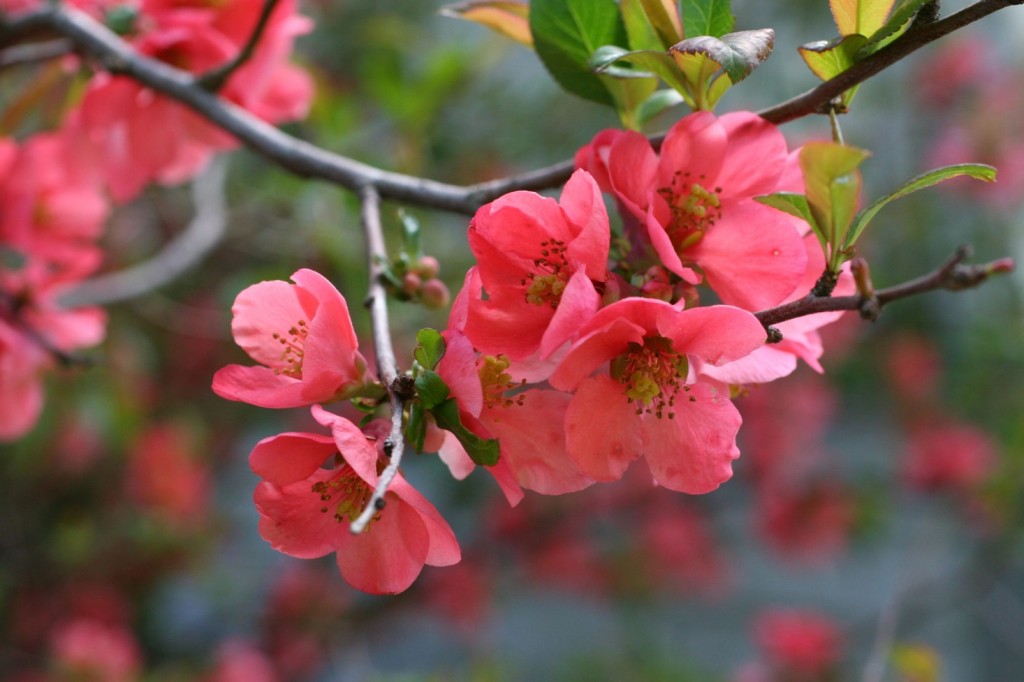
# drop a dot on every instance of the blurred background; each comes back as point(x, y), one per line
point(873, 529)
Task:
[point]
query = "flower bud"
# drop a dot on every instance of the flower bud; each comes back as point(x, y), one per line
point(428, 267)
point(434, 294)
point(411, 283)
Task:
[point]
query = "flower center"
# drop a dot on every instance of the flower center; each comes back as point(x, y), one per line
point(347, 494)
point(545, 286)
point(496, 381)
point(292, 349)
point(652, 374)
point(695, 209)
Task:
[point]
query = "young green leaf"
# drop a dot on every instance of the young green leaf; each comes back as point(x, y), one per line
point(650, 61)
point(895, 25)
point(508, 17)
point(566, 34)
point(483, 451)
point(416, 427)
point(651, 24)
point(431, 348)
point(431, 389)
point(829, 58)
point(707, 18)
point(833, 187)
point(659, 101)
point(978, 171)
point(860, 16)
point(795, 205)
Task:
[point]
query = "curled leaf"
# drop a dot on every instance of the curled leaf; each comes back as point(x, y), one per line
point(738, 54)
point(508, 17)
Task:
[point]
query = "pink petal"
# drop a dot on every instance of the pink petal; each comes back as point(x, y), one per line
point(444, 548)
point(601, 429)
point(264, 309)
point(633, 169)
point(387, 557)
point(755, 156)
point(290, 457)
point(752, 258)
point(260, 386)
point(458, 369)
point(352, 443)
point(291, 520)
point(663, 245)
point(716, 334)
point(765, 364)
point(585, 210)
point(577, 305)
point(532, 439)
point(592, 351)
point(693, 452)
point(696, 145)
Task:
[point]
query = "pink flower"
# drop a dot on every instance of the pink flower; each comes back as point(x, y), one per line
point(646, 404)
point(529, 425)
point(241, 661)
point(164, 476)
point(303, 337)
point(117, 116)
point(947, 455)
point(542, 265)
point(800, 644)
point(696, 200)
point(809, 522)
point(305, 510)
point(86, 649)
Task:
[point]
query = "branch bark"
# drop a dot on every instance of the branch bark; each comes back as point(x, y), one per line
point(387, 366)
point(953, 275)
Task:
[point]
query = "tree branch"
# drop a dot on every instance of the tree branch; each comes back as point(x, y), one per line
point(307, 160)
point(215, 79)
point(182, 253)
point(953, 275)
point(387, 366)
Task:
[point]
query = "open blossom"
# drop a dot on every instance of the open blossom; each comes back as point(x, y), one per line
point(302, 335)
point(117, 116)
point(696, 200)
point(305, 510)
point(634, 395)
point(800, 644)
point(542, 264)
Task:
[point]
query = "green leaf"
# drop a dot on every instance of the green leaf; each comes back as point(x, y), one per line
point(431, 348)
point(650, 24)
point(833, 188)
point(829, 58)
point(567, 32)
point(738, 54)
point(483, 451)
point(650, 61)
point(860, 16)
point(416, 427)
point(898, 22)
point(508, 17)
point(629, 94)
point(658, 102)
point(411, 234)
point(978, 171)
point(795, 205)
point(706, 18)
point(431, 389)
point(789, 202)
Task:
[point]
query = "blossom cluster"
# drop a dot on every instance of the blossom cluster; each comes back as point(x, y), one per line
point(58, 187)
point(575, 350)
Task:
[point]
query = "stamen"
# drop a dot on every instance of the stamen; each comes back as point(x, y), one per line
point(652, 374)
point(293, 349)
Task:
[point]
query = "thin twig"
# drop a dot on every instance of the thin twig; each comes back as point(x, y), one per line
point(387, 366)
point(214, 79)
point(33, 53)
point(182, 253)
point(953, 275)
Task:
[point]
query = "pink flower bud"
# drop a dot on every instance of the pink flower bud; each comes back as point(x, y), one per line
point(428, 267)
point(411, 283)
point(434, 294)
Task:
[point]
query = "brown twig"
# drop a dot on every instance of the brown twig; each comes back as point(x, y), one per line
point(952, 275)
point(33, 53)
